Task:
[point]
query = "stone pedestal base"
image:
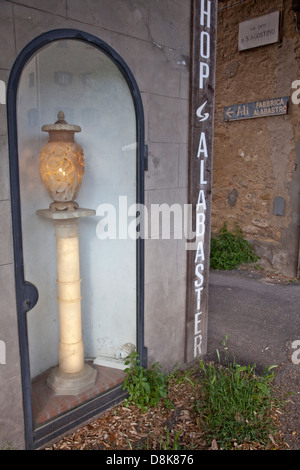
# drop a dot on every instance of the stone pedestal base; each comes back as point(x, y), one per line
point(63, 383)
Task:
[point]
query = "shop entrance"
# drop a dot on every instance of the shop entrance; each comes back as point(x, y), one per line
point(74, 72)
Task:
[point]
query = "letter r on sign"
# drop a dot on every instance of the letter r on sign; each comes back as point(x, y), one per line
point(197, 345)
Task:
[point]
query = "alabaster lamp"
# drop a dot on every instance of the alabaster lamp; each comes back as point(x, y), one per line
point(62, 169)
point(62, 164)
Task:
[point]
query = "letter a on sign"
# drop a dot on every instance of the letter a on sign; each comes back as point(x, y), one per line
point(203, 53)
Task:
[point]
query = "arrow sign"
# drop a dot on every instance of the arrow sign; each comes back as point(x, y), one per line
point(257, 109)
point(229, 112)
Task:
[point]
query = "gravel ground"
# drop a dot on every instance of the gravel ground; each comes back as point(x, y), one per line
point(160, 428)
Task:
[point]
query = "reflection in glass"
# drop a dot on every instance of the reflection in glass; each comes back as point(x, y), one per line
point(93, 93)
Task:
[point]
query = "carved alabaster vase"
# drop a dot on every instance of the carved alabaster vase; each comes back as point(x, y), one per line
point(62, 164)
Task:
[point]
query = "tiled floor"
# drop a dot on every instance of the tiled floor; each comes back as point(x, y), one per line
point(46, 405)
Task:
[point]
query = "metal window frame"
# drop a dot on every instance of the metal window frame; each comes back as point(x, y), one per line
point(27, 293)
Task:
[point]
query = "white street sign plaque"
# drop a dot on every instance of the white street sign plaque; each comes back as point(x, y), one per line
point(259, 31)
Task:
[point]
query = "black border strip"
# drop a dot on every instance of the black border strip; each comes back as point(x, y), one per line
point(26, 293)
point(54, 429)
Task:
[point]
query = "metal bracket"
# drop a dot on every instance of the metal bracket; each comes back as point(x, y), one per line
point(31, 296)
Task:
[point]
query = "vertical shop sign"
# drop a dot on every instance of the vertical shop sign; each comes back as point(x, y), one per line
point(203, 58)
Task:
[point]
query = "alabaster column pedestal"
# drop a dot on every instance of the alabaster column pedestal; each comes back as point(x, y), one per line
point(72, 376)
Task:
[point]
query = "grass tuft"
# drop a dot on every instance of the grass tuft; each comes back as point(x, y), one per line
point(236, 404)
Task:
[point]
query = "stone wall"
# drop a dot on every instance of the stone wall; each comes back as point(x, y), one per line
point(256, 160)
point(153, 38)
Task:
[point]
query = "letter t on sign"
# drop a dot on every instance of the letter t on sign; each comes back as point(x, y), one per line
point(203, 53)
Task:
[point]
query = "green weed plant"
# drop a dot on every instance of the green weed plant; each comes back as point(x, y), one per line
point(230, 249)
point(145, 387)
point(236, 404)
point(233, 403)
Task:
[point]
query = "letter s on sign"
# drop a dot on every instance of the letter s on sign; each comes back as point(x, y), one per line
point(295, 95)
point(295, 358)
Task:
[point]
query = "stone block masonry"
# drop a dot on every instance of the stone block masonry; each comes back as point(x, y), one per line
point(256, 160)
